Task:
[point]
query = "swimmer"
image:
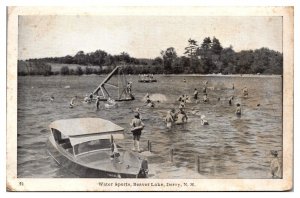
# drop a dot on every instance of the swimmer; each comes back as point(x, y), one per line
point(205, 98)
point(86, 99)
point(51, 98)
point(180, 98)
point(149, 103)
point(91, 97)
point(181, 117)
point(184, 80)
point(182, 104)
point(232, 86)
point(238, 110)
point(72, 103)
point(245, 92)
point(203, 122)
point(147, 96)
point(173, 113)
point(169, 119)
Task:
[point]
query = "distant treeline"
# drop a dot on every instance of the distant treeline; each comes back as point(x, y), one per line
point(207, 58)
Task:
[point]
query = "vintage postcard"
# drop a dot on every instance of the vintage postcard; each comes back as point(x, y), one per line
point(150, 98)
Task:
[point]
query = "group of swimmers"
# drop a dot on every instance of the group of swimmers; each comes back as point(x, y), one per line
point(90, 98)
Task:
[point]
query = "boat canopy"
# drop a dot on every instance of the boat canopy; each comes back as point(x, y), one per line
point(81, 130)
point(81, 139)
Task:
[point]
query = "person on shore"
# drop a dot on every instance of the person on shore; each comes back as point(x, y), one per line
point(181, 117)
point(136, 128)
point(169, 119)
point(98, 103)
point(275, 165)
point(72, 103)
point(238, 110)
point(205, 98)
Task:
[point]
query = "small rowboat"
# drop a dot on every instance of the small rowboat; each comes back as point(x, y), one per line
point(87, 147)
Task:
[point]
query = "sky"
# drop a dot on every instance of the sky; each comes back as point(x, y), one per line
point(141, 36)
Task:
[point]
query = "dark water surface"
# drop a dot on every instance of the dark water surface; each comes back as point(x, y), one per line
point(230, 147)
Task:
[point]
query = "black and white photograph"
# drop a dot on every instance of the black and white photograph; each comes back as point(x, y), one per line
point(155, 98)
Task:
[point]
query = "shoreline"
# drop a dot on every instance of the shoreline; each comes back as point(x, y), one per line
point(222, 75)
point(175, 75)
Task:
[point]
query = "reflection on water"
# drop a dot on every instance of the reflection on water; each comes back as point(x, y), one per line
point(229, 147)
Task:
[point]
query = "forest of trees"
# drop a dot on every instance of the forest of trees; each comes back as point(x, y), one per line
point(207, 57)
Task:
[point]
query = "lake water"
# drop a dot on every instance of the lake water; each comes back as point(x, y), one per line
point(229, 147)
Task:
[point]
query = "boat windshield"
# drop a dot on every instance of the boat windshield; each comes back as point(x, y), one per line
point(102, 144)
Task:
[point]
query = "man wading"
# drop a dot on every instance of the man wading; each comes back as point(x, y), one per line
point(137, 127)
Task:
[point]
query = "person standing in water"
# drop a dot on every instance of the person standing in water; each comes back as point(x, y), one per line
point(181, 117)
point(245, 92)
point(129, 87)
point(275, 165)
point(169, 119)
point(238, 110)
point(204, 89)
point(98, 103)
point(205, 98)
point(195, 94)
point(136, 128)
point(230, 100)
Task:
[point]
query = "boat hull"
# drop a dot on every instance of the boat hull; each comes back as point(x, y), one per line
point(80, 170)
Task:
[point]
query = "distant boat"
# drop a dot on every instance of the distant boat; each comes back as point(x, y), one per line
point(147, 78)
point(87, 148)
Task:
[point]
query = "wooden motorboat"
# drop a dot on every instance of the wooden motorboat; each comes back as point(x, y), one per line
point(88, 148)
